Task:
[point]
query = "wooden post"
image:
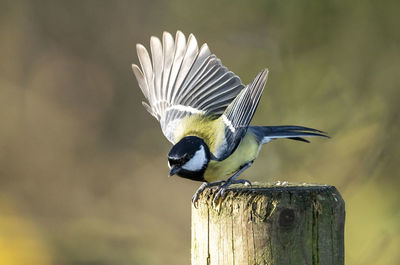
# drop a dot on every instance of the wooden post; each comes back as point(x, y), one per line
point(278, 224)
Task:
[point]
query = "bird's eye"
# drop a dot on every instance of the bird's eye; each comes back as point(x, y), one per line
point(178, 161)
point(174, 161)
point(171, 161)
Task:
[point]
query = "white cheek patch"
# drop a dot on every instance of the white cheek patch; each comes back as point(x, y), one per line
point(197, 161)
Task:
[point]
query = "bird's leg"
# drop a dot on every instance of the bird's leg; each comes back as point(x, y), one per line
point(203, 187)
point(232, 180)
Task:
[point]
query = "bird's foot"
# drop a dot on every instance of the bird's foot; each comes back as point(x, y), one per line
point(222, 189)
point(203, 186)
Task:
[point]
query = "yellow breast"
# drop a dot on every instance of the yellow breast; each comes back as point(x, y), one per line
point(246, 152)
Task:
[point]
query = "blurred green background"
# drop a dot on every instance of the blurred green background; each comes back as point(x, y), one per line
point(83, 169)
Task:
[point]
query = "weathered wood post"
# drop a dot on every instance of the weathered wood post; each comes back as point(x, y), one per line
point(291, 224)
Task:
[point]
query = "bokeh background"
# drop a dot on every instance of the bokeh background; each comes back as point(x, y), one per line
point(83, 169)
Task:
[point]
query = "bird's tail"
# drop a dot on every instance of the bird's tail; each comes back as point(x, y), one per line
point(265, 134)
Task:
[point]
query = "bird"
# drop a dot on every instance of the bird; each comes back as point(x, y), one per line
point(205, 110)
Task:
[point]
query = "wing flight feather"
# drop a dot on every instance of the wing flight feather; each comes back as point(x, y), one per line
point(239, 114)
point(180, 80)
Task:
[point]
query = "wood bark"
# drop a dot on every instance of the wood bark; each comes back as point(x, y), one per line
point(269, 224)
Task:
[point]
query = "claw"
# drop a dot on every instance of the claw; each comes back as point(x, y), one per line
point(203, 186)
point(220, 194)
point(195, 197)
point(222, 186)
point(222, 189)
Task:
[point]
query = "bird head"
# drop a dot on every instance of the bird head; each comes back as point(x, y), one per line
point(189, 158)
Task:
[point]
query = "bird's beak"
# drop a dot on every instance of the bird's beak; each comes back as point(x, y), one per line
point(174, 170)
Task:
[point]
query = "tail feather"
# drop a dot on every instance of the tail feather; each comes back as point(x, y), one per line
point(299, 139)
point(265, 134)
point(292, 128)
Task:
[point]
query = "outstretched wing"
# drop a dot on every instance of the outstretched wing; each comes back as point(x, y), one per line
point(180, 80)
point(239, 114)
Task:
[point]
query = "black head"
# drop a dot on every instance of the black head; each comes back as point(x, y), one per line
point(189, 158)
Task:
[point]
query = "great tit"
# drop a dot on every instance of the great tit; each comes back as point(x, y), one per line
point(205, 111)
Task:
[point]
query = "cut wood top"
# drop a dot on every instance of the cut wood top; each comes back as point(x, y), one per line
point(238, 191)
